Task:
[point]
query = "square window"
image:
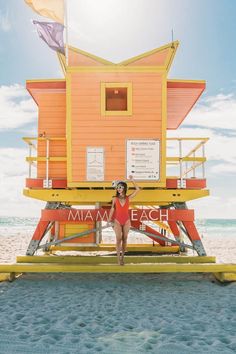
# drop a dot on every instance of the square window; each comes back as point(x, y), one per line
point(116, 99)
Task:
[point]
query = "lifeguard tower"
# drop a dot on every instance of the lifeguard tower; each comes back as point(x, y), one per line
point(104, 122)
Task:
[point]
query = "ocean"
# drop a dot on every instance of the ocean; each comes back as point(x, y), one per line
point(118, 313)
point(206, 227)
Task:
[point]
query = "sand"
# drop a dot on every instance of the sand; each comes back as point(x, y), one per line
point(16, 243)
point(117, 313)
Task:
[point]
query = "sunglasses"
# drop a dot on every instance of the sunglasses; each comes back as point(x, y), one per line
point(119, 187)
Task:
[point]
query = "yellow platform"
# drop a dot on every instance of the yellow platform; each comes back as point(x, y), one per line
point(112, 248)
point(114, 268)
point(108, 264)
point(90, 260)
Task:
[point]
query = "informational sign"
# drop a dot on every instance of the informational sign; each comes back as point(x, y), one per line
point(95, 164)
point(143, 159)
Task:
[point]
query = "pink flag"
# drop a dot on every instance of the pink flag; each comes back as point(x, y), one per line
point(52, 34)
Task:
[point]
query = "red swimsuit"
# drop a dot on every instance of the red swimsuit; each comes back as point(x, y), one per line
point(122, 211)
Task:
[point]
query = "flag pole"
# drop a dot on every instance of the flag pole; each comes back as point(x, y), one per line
point(66, 26)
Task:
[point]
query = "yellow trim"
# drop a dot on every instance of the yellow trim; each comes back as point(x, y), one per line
point(163, 132)
point(113, 259)
point(91, 56)
point(113, 268)
point(68, 127)
point(50, 159)
point(92, 196)
point(129, 110)
point(199, 159)
point(44, 80)
point(171, 56)
point(28, 139)
point(187, 81)
point(150, 52)
point(62, 62)
point(81, 184)
point(115, 68)
point(204, 139)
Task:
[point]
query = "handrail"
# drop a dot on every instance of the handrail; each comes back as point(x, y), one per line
point(32, 159)
point(179, 160)
point(190, 156)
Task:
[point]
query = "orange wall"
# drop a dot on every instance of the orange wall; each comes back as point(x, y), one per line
point(89, 128)
point(52, 121)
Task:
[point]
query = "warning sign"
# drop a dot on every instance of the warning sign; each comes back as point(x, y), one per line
point(143, 159)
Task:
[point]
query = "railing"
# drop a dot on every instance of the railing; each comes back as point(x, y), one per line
point(188, 160)
point(188, 157)
point(32, 160)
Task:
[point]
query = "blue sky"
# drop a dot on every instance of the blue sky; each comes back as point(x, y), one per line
point(115, 31)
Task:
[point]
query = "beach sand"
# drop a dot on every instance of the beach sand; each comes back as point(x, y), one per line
point(117, 313)
point(16, 243)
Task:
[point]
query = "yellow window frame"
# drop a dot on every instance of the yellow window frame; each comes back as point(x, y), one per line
point(127, 85)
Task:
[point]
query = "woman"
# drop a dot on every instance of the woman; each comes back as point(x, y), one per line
point(120, 204)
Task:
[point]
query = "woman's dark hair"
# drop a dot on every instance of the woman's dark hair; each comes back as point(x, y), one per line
point(121, 184)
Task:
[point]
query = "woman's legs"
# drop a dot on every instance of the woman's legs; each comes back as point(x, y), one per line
point(125, 233)
point(118, 232)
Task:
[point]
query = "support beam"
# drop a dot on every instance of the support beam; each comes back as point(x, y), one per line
point(113, 259)
point(113, 268)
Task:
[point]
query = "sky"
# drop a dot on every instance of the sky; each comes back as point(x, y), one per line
point(118, 30)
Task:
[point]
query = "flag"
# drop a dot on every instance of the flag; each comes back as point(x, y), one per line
point(53, 9)
point(52, 34)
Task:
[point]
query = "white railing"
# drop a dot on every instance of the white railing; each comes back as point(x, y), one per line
point(188, 157)
point(33, 160)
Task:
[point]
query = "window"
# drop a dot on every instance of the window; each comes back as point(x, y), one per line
point(116, 99)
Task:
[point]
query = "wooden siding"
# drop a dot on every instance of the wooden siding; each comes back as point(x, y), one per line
point(79, 59)
point(156, 59)
point(90, 128)
point(52, 122)
point(68, 229)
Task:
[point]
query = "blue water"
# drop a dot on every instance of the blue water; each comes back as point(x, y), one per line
point(205, 226)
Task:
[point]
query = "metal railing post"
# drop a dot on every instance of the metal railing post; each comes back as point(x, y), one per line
point(180, 162)
point(47, 162)
point(30, 154)
point(194, 174)
point(203, 164)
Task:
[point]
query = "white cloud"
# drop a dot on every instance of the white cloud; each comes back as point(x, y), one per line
point(224, 168)
point(13, 172)
point(17, 108)
point(5, 24)
point(214, 207)
point(215, 119)
point(215, 112)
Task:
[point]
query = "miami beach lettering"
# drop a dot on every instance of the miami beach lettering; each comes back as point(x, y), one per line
point(102, 215)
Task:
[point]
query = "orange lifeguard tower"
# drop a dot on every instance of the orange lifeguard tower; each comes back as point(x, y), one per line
point(103, 122)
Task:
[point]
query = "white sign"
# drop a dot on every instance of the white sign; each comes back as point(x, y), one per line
point(143, 159)
point(95, 164)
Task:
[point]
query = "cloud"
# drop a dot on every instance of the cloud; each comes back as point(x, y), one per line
point(215, 112)
point(221, 207)
point(215, 118)
point(5, 24)
point(13, 172)
point(17, 108)
point(12, 162)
